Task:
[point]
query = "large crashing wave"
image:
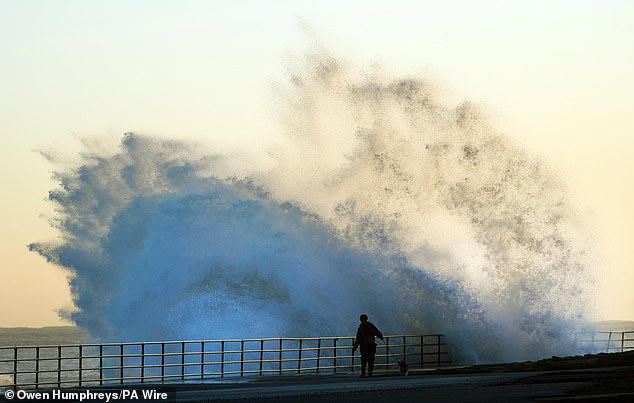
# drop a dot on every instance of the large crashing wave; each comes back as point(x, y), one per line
point(383, 201)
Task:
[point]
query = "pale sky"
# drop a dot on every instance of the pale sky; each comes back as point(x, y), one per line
point(556, 76)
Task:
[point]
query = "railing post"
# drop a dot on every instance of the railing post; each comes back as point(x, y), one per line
point(142, 362)
point(242, 357)
point(202, 360)
point(121, 363)
point(607, 350)
point(299, 357)
point(59, 367)
point(422, 351)
point(222, 359)
point(15, 368)
point(405, 349)
point(318, 352)
point(352, 359)
point(183, 360)
point(37, 368)
point(387, 352)
point(334, 347)
point(81, 353)
point(261, 354)
point(280, 357)
point(622, 341)
point(101, 364)
point(438, 357)
point(163, 362)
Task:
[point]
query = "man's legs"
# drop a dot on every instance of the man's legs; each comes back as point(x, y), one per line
point(370, 360)
point(364, 362)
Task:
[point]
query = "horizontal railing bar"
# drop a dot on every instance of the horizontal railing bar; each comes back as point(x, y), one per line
point(251, 361)
point(199, 363)
point(379, 355)
point(108, 379)
point(96, 379)
point(192, 364)
point(197, 375)
point(178, 354)
point(186, 364)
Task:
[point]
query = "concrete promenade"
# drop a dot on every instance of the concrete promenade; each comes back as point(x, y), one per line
point(600, 384)
point(608, 384)
point(602, 377)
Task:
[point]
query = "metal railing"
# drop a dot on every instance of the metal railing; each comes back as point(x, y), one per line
point(604, 341)
point(196, 360)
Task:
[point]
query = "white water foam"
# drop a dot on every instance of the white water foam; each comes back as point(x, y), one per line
point(384, 201)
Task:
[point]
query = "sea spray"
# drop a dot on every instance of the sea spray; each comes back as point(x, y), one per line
point(384, 200)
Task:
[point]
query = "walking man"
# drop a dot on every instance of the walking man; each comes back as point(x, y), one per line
point(365, 338)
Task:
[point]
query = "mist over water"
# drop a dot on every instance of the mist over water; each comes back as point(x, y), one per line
point(382, 200)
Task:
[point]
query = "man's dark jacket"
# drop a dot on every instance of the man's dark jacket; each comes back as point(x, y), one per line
point(365, 337)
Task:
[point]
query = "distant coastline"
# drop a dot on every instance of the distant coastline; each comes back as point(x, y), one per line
point(49, 335)
point(615, 325)
point(35, 327)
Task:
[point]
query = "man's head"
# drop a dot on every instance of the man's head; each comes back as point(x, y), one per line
point(363, 317)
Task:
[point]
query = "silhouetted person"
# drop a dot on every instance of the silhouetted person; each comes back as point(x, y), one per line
point(365, 338)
